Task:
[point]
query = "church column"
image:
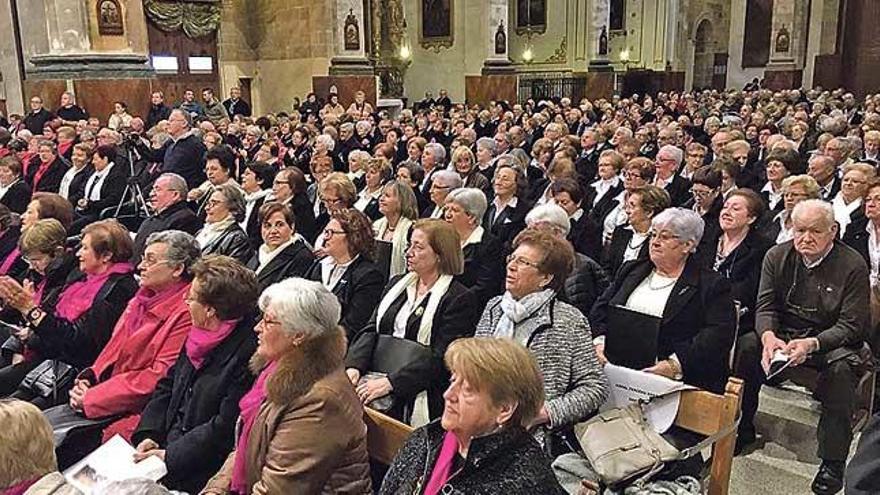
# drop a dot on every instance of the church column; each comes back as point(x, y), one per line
point(496, 38)
point(349, 40)
point(787, 44)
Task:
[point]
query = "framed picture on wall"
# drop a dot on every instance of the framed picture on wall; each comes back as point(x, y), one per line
point(109, 18)
point(531, 15)
point(437, 24)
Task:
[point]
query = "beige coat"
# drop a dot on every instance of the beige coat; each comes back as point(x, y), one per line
point(309, 436)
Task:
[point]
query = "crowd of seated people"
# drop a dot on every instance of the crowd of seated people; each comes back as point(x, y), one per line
point(465, 269)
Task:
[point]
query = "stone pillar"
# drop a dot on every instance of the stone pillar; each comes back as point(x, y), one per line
point(787, 44)
point(497, 38)
point(10, 73)
point(599, 36)
point(349, 39)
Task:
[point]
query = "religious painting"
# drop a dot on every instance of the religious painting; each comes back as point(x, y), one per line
point(531, 15)
point(352, 32)
point(109, 18)
point(437, 21)
point(783, 41)
point(500, 40)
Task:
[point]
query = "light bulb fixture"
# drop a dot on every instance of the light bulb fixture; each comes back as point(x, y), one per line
point(405, 51)
point(624, 55)
point(528, 54)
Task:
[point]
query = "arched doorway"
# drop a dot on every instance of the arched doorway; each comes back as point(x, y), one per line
point(704, 55)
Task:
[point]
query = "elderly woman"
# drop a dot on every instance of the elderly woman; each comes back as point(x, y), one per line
point(398, 208)
point(443, 182)
point(299, 153)
point(73, 325)
point(495, 395)
point(848, 203)
point(11, 262)
point(601, 193)
point(584, 233)
point(556, 333)
point(637, 172)
point(320, 167)
point(256, 182)
point(335, 192)
point(630, 241)
point(290, 187)
point(284, 253)
point(433, 159)
point(795, 188)
point(426, 306)
point(694, 305)
point(28, 453)
point(485, 157)
point(14, 192)
point(780, 163)
point(219, 169)
point(347, 270)
point(103, 189)
point(378, 173)
point(222, 234)
point(506, 215)
point(73, 184)
point(145, 341)
point(463, 161)
point(189, 421)
point(300, 395)
point(357, 167)
point(483, 260)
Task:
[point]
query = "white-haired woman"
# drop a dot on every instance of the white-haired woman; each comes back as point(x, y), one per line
point(483, 259)
point(443, 182)
point(222, 233)
point(695, 305)
point(301, 393)
point(433, 159)
point(848, 204)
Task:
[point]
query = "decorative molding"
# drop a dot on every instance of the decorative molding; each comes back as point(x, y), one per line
point(560, 56)
point(436, 44)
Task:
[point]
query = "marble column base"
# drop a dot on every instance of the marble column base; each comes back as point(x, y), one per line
point(89, 66)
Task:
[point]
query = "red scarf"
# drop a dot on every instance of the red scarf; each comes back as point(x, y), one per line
point(250, 406)
point(78, 297)
point(44, 166)
point(19, 488)
point(201, 341)
point(63, 147)
point(443, 466)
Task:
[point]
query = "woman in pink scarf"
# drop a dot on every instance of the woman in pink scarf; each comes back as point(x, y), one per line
point(73, 326)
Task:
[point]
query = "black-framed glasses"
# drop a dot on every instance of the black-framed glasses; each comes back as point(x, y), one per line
point(331, 232)
point(520, 262)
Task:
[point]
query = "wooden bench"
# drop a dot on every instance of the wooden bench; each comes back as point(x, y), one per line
point(701, 412)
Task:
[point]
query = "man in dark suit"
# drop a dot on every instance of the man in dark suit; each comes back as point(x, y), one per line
point(38, 117)
point(668, 161)
point(822, 169)
point(235, 105)
point(168, 200)
point(863, 472)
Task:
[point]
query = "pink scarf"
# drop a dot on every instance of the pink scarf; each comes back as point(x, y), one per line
point(78, 297)
point(443, 466)
point(10, 260)
point(250, 406)
point(19, 488)
point(201, 341)
point(144, 300)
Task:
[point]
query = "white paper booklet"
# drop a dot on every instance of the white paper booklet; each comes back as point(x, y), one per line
point(627, 386)
point(113, 461)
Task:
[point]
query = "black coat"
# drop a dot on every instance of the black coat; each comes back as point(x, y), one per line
point(509, 223)
point(742, 268)
point(456, 317)
point(232, 242)
point(304, 216)
point(156, 114)
point(50, 181)
point(585, 236)
point(679, 190)
point(857, 237)
point(612, 256)
point(17, 197)
point(604, 206)
point(293, 261)
point(192, 413)
point(484, 269)
point(372, 210)
point(186, 158)
point(585, 284)
point(697, 325)
point(509, 461)
point(252, 224)
point(176, 217)
point(111, 192)
point(358, 292)
point(237, 107)
point(79, 342)
point(77, 188)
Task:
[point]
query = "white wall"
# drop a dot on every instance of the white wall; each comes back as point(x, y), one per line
point(737, 76)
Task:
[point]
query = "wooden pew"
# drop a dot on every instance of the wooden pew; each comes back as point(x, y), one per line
point(385, 436)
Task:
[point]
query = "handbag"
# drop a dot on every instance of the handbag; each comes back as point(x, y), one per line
point(48, 378)
point(390, 355)
point(623, 448)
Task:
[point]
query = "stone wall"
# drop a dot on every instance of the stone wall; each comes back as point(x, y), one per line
point(10, 75)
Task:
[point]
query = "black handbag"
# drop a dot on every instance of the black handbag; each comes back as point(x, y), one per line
point(390, 355)
point(48, 378)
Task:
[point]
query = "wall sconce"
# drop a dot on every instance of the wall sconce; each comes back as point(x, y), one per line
point(405, 47)
point(528, 54)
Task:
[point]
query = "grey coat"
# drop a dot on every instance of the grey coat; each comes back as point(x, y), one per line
point(559, 337)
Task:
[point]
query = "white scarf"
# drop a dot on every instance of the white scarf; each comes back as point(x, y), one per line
point(476, 237)
point(212, 231)
point(513, 311)
point(438, 290)
point(265, 256)
point(398, 242)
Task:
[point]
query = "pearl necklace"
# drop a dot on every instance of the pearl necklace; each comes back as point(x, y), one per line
point(664, 285)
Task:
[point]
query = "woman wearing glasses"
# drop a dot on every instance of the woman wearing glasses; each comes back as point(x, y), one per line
point(848, 204)
point(556, 333)
point(630, 241)
point(694, 305)
point(795, 188)
point(348, 270)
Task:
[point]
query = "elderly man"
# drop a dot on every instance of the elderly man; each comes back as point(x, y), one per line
point(813, 308)
point(235, 105)
point(184, 153)
point(667, 163)
point(168, 200)
point(823, 168)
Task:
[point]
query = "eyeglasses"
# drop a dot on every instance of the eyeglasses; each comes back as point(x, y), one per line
point(150, 262)
point(629, 174)
point(328, 233)
point(211, 203)
point(520, 262)
point(701, 192)
point(662, 236)
point(331, 201)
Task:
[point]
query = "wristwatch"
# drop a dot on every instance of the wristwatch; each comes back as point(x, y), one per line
point(34, 314)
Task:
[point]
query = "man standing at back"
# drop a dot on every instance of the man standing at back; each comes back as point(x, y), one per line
point(184, 153)
point(235, 105)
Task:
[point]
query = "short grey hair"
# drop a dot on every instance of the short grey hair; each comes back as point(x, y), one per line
point(487, 143)
point(685, 224)
point(674, 151)
point(552, 214)
point(823, 207)
point(181, 249)
point(176, 183)
point(185, 115)
point(302, 306)
point(234, 199)
point(326, 140)
point(510, 160)
point(438, 151)
point(472, 201)
point(448, 178)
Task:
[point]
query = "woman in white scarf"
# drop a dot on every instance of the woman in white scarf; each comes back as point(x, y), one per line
point(427, 306)
point(284, 253)
point(399, 210)
point(848, 204)
point(222, 234)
